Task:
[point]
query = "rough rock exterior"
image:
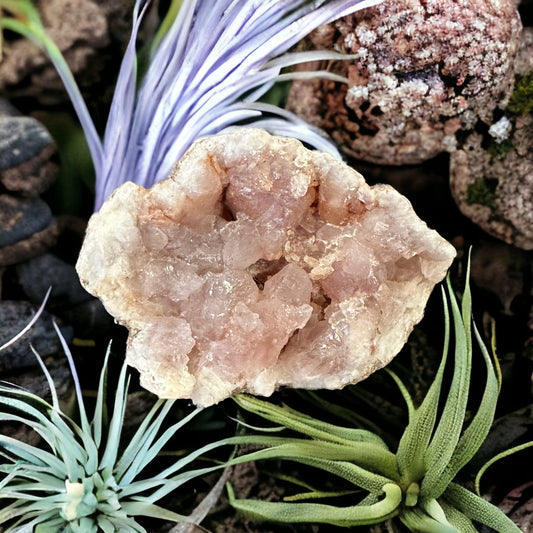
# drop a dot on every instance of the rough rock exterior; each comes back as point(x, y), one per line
point(496, 190)
point(491, 174)
point(260, 264)
point(423, 69)
point(26, 151)
point(27, 169)
point(81, 29)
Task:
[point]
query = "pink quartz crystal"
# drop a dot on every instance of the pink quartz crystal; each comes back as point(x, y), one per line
point(259, 264)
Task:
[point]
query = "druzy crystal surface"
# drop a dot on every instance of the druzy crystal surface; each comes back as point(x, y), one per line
point(259, 264)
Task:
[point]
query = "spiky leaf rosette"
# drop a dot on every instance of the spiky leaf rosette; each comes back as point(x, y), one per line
point(210, 63)
point(83, 478)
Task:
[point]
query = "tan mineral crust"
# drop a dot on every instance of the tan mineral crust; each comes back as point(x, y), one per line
point(259, 264)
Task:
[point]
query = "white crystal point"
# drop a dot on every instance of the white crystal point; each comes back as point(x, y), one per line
point(259, 264)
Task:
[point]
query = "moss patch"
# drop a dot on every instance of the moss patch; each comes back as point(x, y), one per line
point(500, 150)
point(521, 101)
point(482, 192)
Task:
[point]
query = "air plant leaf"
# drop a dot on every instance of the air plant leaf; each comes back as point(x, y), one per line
point(320, 513)
point(448, 430)
point(344, 413)
point(474, 435)
point(498, 457)
point(478, 509)
point(417, 435)
point(416, 520)
point(458, 520)
point(306, 424)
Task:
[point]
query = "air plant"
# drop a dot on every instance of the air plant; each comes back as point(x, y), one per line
point(83, 477)
point(415, 484)
point(209, 64)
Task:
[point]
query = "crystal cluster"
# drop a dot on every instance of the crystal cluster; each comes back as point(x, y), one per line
point(259, 264)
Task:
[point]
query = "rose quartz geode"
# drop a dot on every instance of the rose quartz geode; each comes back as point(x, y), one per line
point(259, 264)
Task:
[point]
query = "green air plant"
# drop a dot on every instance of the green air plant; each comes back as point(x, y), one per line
point(83, 478)
point(416, 483)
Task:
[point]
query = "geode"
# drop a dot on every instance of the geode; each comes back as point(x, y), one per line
point(258, 264)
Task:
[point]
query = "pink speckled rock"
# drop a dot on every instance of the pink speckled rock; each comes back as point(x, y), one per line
point(423, 70)
point(258, 264)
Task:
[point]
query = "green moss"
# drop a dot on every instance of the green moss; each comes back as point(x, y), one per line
point(500, 150)
point(482, 192)
point(521, 101)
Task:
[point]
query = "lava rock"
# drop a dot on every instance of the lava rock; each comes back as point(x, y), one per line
point(27, 228)
point(82, 30)
point(494, 187)
point(14, 316)
point(47, 270)
point(491, 174)
point(25, 151)
point(21, 139)
point(68, 299)
point(423, 70)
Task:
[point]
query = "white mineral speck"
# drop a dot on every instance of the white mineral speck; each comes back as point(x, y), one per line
point(501, 130)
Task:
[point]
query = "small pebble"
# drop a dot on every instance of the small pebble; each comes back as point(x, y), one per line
point(68, 299)
point(20, 218)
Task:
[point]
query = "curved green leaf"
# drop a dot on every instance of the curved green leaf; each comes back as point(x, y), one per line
point(496, 458)
point(416, 437)
point(478, 509)
point(458, 520)
point(369, 469)
point(447, 433)
point(356, 515)
point(476, 432)
point(305, 424)
point(419, 522)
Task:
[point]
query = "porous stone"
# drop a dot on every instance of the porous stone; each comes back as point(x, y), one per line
point(20, 218)
point(14, 316)
point(523, 63)
point(77, 27)
point(47, 270)
point(491, 178)
point(259, 264)
point(68, 299)
point(27, 228)
point(494, 188)
point(25, 151)
point(422, 70)
point(21, 139)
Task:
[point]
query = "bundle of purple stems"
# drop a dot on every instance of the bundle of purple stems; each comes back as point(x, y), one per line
point(210, 63)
